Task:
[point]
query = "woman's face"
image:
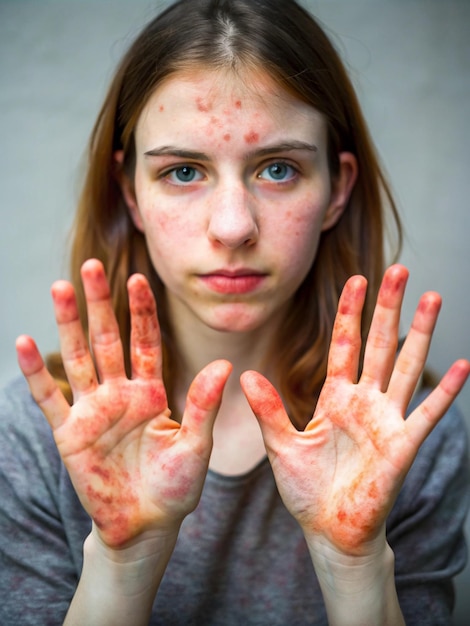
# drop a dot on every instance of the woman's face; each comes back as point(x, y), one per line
point(232, 191)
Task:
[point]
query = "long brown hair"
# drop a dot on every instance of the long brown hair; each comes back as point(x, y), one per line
point(282, 39)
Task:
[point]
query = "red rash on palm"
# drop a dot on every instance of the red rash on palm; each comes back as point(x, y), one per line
point(179, 481)
point(116, 510)
point(357, 510)
point(132, 466)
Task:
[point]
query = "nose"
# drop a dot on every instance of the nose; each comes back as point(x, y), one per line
point(233, 221)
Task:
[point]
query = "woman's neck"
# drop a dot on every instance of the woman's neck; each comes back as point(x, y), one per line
point(198, 345)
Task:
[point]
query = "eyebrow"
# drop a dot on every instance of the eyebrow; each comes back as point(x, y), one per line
point(286, 146)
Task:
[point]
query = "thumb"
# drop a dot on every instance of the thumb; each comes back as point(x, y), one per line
point(268, 408)
point(204, 398)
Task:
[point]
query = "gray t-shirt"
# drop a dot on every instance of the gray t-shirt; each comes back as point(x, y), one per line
point(240, 559)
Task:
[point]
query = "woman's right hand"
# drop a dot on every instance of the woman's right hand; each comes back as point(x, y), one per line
point(133, 467)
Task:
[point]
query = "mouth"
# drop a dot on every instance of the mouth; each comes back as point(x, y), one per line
point(238, 281)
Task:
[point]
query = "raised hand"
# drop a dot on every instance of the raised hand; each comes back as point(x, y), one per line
point(340, 477)
point(133, 467)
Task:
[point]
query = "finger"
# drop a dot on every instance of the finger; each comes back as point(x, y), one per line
point(382, 340)
point(345, 348)
point(425, 417)
point(104, 331)
point(268, 408)
point(412, 358)
point(76, 356)
point(204, 398)
point(43, 387)
point(146, 348)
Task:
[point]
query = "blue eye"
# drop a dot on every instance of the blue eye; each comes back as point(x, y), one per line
point(184, 174)
point(279, 172)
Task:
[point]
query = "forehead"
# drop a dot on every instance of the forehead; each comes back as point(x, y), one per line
point(224, 96)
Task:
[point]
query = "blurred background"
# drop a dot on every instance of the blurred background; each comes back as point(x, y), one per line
point(410, 62)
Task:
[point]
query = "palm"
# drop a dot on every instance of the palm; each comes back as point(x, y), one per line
point(133, 467)
point(354, 467)
point(339, 478)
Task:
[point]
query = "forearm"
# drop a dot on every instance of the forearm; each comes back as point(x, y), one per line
point(119, 586)
point(357, 590)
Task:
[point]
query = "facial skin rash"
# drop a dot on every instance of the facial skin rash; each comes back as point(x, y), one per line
point(269, 117)
point(203, 106)
point(251, 137)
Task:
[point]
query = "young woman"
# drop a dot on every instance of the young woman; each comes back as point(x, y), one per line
point(232, 181)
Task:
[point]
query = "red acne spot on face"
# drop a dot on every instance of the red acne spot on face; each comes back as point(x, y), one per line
point(251, 137)
point(227, 137)
point(202, 106)
point(238, 104)
point(161, 108)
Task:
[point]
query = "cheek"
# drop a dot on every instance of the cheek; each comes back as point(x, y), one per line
point(298, 231)
point(167, 236)
point(165, 222)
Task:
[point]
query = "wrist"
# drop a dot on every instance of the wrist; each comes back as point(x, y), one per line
point(359, 588)
point(334, 567)
point(118, 585)
point(146, 555)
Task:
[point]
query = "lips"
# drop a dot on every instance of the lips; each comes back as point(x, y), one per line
point(239, 281)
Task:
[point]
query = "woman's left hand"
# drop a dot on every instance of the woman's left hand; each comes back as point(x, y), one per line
point(340, 477)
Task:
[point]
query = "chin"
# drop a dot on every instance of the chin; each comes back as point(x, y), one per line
point(239, 320)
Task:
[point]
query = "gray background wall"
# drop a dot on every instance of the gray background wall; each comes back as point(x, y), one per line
point(410, 60)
